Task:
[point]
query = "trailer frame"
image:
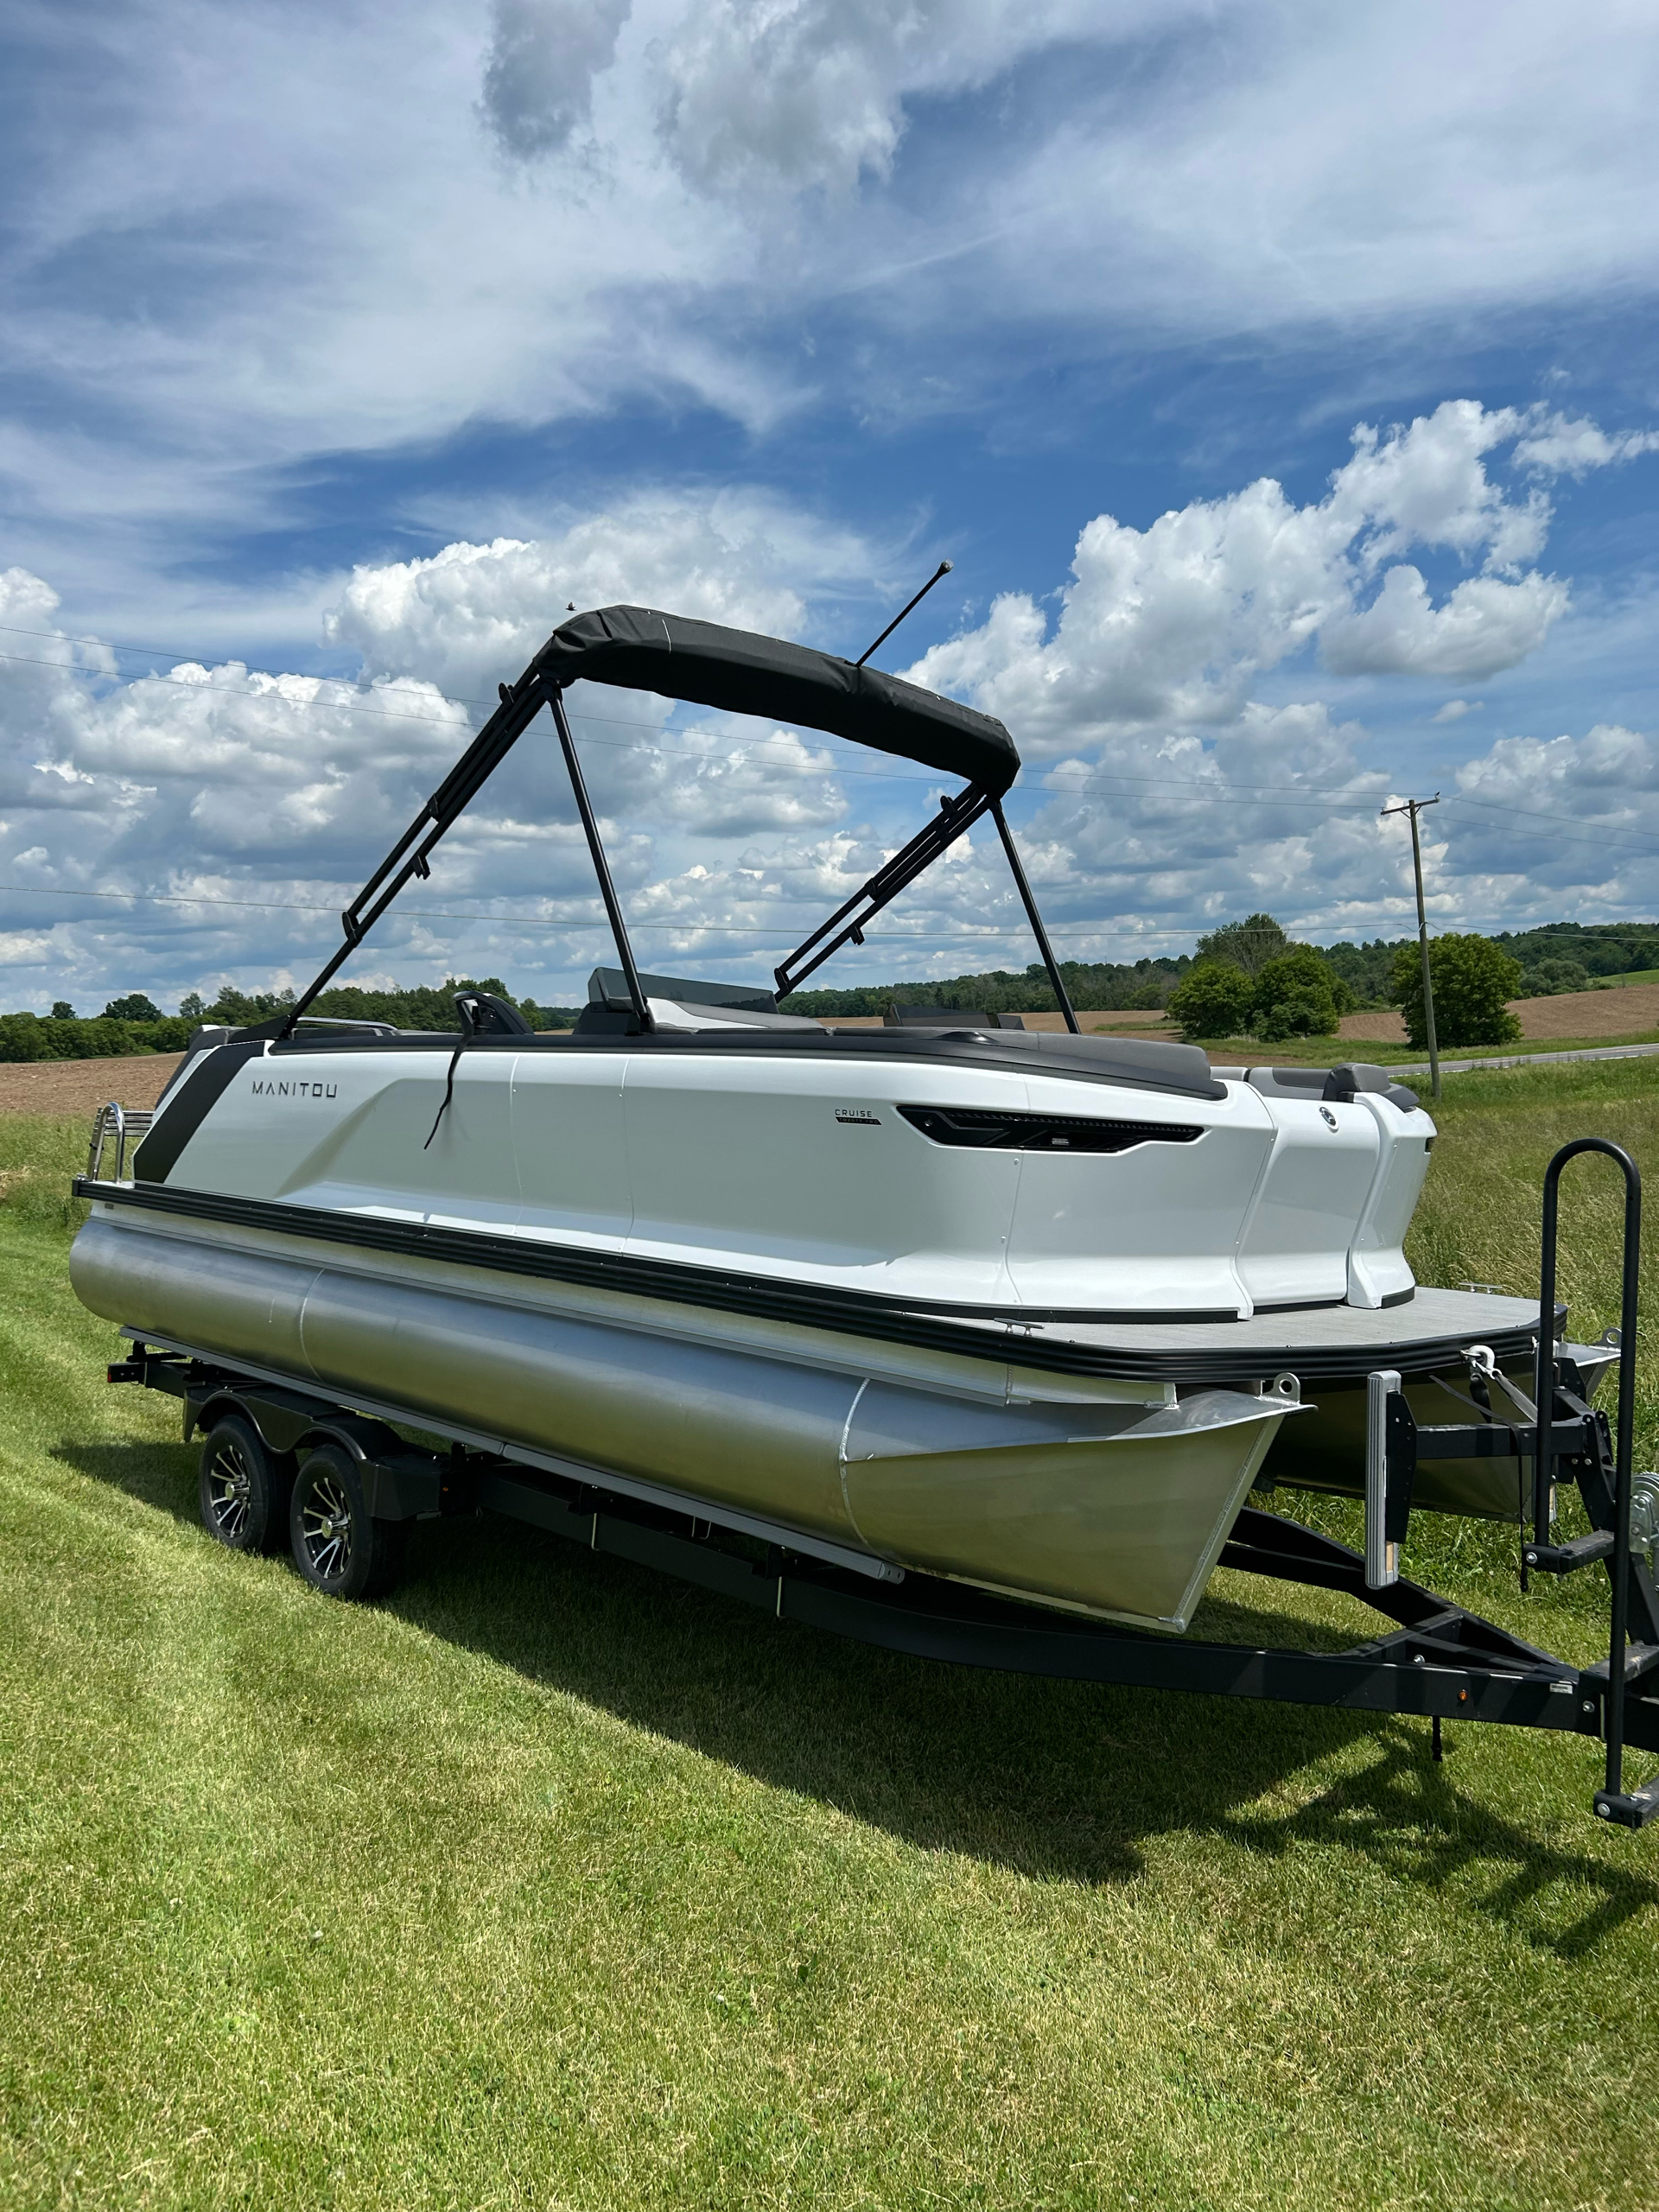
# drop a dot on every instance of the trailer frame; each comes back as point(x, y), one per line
point(1438, 1661)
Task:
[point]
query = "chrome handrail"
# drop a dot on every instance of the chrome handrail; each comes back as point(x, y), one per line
point(124, 1123)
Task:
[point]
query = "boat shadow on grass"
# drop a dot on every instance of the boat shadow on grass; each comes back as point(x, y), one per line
point(1057, 1781)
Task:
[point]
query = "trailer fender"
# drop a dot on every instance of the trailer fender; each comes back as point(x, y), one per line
point(400, 1482)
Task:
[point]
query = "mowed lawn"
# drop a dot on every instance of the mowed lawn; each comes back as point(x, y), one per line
point(553, 1883)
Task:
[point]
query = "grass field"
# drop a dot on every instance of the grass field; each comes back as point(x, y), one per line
point(552, 1884)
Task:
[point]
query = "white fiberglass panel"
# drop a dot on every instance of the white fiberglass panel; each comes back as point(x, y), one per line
point(1150, 1229)
point(799, 1167)
point(271, 1122)
point(385, 1156)
point(1377, 1267)
point(568, 1137)
point(346, 1130)
point(1324, 1158)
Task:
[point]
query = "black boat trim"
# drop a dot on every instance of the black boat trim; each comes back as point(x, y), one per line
point(1015, 1336)
point(183, 1111)
point(977, 1128)
point(1064, 1059)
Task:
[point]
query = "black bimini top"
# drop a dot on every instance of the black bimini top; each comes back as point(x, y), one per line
point(741, 672)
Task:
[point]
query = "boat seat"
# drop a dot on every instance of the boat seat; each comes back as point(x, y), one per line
point(1339, 1085)
point(608, 986)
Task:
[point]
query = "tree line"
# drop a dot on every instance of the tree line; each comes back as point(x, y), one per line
point(137, 1024)
point(1245, 978)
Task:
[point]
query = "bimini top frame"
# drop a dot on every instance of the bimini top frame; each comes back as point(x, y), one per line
point(739, 672)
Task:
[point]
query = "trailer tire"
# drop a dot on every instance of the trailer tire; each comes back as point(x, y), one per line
point(245, 1487)
point(339, 1547)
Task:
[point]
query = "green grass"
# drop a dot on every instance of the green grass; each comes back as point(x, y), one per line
point(554, 1884)
point(1638, 976)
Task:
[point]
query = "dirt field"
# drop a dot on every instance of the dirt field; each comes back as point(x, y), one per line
point(82, 1086)
point(1574, 1013)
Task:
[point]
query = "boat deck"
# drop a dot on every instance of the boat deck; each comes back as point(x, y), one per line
point(1417, 1337)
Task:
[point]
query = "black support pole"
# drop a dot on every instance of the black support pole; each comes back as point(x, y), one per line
point(519, 707)
point(1062, 996)
point(601, 866)
point(1619, 1567)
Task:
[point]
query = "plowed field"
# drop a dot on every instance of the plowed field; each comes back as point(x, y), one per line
point(82, 1086)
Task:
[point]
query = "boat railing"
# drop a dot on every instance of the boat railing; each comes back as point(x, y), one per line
point(339, 1021)
point(125, 1124)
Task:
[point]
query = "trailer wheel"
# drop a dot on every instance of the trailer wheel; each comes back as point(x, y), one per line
point(244, 1489)
point(339, 1547)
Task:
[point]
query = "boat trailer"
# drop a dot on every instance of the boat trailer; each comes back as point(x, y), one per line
point(1440, 1660)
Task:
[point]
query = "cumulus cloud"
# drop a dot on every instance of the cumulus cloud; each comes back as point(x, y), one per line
point(1556, 445)
point(539, 77)
point(1539, 826)
point(1177, 622)
point(812, 93)
point(1165, 790)
point(264, 795)
point(1483, 626)
point(1606, 781)
point(472, 615)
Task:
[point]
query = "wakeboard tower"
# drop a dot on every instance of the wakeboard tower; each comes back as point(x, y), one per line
point(950, 1334)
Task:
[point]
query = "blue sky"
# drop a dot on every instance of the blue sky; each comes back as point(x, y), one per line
point(1280, 379)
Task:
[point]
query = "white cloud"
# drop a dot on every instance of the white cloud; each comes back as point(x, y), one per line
point(278, 793)
point(1556, 445)
point(759, 95)
point(332, 257)
point(1177, 622)
point(1455, 709)
point(1483, 626)
point(1542, 827)
point(539, 74)
point(1174, 793)
point(473, 615)
point(1318, 166)
point(1609, 778)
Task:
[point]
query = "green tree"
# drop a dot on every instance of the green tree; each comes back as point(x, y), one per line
point(191, 1005)
point(1472, 977)
point(1214, 999)
point(1549, 977)
point(25, 1037)
point(134, 1008)
point(1296, 996)
point(1248, 944)
point(62, 1011)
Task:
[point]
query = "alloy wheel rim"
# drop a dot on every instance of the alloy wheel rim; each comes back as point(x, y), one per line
point(326, 1527)
point(230, 1488)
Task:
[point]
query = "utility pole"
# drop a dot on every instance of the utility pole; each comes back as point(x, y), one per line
point(1414, 807)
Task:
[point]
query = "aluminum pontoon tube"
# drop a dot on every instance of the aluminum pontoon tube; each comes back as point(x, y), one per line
point(1117, 1508)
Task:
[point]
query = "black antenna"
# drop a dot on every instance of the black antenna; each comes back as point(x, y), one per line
point(944, 569)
